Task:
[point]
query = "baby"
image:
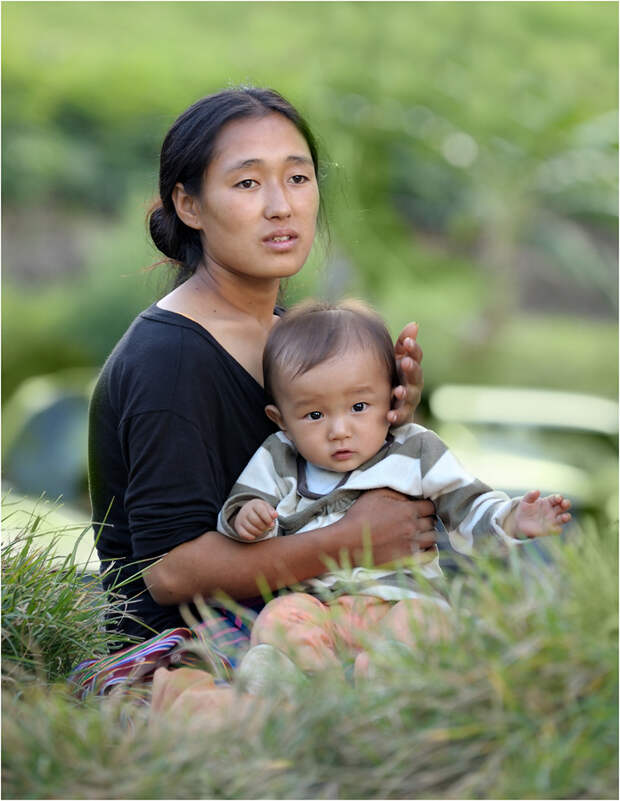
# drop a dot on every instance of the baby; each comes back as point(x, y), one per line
point(331, 372)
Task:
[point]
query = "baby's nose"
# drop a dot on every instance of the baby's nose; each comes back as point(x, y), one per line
point(339, 428)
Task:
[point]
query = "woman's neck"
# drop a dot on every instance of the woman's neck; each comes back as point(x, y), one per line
point(211, 292)
point(244, 295)
point(236, 310)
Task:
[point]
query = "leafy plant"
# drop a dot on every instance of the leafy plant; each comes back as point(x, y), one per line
point(52, 605)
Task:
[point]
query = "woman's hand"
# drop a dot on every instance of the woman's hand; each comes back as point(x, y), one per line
point(409, 360)
point(397, 526)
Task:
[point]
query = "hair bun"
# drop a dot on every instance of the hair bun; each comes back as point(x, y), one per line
point(180, 244)
point(160, 227)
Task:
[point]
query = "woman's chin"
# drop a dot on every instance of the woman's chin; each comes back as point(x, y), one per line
point(282, 269)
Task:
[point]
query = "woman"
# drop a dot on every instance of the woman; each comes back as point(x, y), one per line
point(178, 408)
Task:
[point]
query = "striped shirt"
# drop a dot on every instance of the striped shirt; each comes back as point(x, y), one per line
point(413, 461)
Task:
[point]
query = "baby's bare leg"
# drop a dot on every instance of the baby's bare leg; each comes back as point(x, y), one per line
point(355, 620)
point(168, 685)
point(413, 618)
point(300, 626)
point(408, 622)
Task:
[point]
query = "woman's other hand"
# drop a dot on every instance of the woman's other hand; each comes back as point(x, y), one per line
point(409, 360)
point(397, 525)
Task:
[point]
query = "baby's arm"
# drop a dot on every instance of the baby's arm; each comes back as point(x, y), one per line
point(254, 520)
point(537, 517)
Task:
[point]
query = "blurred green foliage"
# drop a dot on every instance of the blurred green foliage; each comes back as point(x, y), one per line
point(470, 169)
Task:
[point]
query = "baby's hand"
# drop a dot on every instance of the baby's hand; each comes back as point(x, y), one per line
point(538, 517)
point(254, 519)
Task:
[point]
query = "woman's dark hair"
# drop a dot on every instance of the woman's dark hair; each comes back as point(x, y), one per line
point(186, 153)
point(313, 332)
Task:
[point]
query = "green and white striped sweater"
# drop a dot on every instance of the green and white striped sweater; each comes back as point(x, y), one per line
point(413, 461)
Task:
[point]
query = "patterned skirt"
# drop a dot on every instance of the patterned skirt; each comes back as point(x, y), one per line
point(217, 644)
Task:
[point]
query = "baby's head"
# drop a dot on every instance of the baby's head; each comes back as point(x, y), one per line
point(331, 372)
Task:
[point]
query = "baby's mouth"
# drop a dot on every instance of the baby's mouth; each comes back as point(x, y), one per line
point(342, 454)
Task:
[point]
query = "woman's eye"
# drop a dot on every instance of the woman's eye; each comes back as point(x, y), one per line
point(359, 407)
point(314, 415)
point(299, 179)
point(247, 183)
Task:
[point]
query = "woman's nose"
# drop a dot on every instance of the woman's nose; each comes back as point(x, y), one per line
point(277, 203)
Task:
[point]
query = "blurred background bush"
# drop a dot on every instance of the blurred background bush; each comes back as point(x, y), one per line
point(470, 155)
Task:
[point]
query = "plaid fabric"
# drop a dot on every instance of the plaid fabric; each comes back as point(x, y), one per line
point(215, 644)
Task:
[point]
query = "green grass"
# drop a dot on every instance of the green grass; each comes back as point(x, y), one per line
point(52, 601)
point(523, 704)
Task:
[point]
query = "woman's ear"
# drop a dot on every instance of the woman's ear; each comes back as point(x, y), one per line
point(187, 207)
point(273, 413)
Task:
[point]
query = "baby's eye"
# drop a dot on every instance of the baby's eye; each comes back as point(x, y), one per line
point(247, 183)
point(314, 415)
point(299, 179)
point(360, 406)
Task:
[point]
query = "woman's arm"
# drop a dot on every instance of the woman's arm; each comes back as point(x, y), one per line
point(409, 360)
point(395, 525)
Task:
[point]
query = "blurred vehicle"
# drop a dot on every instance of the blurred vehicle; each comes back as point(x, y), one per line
point(45, 434)
point(517, 439)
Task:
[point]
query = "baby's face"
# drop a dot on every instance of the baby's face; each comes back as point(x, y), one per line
point(336, 412)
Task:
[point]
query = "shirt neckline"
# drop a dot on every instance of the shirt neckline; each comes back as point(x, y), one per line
point(302, 481)
point(188, 322)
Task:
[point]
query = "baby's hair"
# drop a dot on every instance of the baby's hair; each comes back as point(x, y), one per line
point(312, 332)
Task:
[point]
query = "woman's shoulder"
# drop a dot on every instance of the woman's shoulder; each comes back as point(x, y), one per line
point(158, 361)
point(158, 340)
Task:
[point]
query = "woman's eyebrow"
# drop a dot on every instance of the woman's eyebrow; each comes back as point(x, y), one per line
point(239, 165)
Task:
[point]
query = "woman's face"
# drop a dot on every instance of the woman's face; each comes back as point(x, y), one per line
point(259, 200)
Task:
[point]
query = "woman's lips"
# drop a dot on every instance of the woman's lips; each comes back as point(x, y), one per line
point(281, 241)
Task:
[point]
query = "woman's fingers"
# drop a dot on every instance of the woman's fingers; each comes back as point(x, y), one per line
point(409, 332)
point(425, 510)
point(424, 536)
point(411, 356)
point(421, 529)
point(408, 355)
point(397, 524)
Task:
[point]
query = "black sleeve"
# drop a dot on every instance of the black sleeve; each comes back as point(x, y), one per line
point(173, 491)
point(174, 420)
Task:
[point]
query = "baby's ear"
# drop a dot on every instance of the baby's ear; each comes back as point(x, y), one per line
point(273, 413)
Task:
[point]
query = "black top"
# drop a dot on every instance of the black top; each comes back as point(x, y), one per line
point(174, 419)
